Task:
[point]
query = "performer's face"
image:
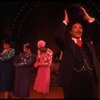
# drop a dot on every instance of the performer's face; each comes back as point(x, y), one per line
point(76, 30)
point(25, 50)
point(6, 46)
point(42, 49)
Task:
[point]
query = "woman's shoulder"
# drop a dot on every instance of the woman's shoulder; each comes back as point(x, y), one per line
point(49, 51)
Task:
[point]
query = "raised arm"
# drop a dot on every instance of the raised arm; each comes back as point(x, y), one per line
point(66, 19)
point(60, 33)
point(87, 16)
point(94, 23)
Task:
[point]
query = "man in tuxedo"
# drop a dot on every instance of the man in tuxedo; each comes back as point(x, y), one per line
point(77, 70)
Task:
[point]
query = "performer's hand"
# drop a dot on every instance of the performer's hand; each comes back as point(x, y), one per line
point(66, 17)
point(87, 16)
point(36, 64)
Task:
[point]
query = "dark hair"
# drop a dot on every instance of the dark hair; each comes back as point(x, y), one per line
point(70, 24)
point(7, 41)
point(27, 45)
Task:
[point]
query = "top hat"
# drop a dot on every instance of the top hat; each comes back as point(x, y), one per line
point(75, 11)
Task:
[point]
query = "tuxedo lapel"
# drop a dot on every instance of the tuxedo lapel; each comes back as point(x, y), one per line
point(89, 46)
point(73, 48)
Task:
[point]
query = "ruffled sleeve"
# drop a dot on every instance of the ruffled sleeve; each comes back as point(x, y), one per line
point(7, 55)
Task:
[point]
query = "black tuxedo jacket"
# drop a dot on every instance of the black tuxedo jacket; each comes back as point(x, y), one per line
point(66, 44)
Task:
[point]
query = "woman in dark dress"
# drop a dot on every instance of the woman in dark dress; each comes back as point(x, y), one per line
point(6, 68)
point(23, 68)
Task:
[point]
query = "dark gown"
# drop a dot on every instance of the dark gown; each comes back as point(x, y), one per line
point(7, 70)
point(23, 71)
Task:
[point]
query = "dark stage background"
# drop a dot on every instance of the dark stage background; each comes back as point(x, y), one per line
point(29, 21)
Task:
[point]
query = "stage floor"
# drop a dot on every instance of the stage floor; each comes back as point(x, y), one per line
point(55, 93)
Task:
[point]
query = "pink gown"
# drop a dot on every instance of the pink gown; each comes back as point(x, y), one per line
point(42, 81)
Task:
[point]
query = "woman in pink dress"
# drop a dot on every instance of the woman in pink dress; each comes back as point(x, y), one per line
point(44, 60)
